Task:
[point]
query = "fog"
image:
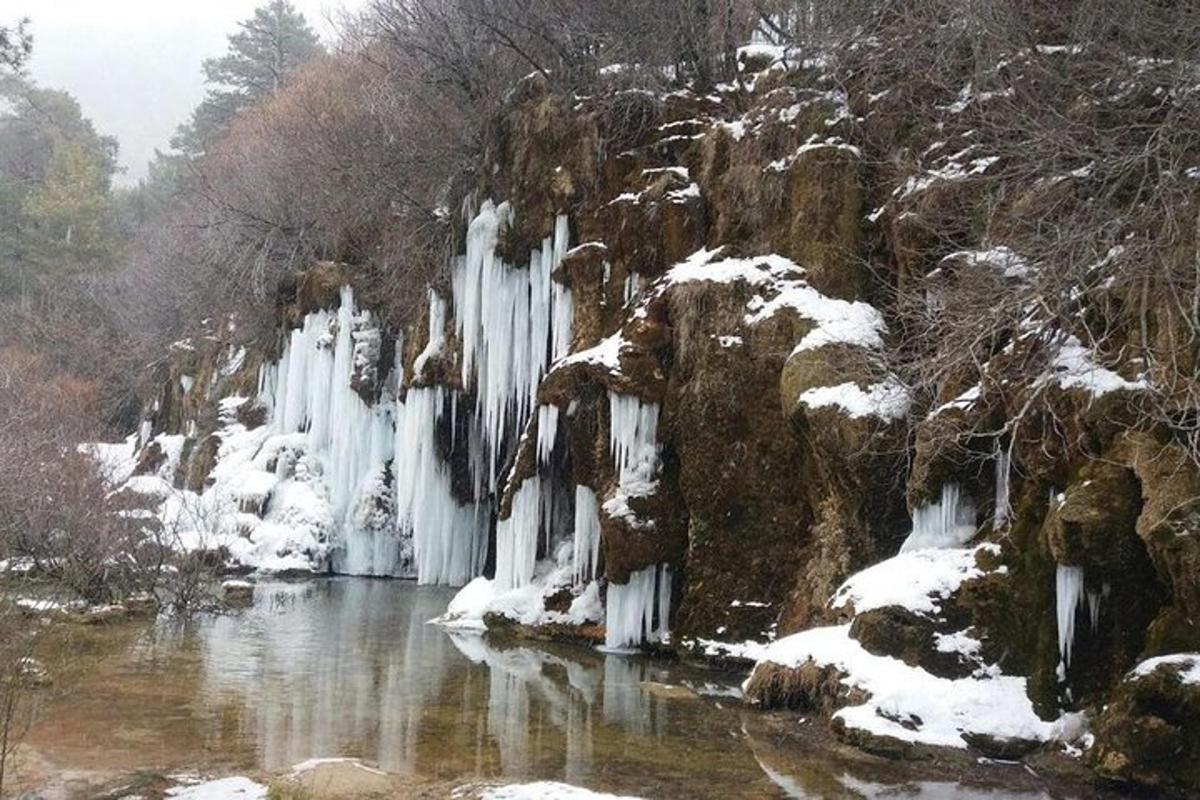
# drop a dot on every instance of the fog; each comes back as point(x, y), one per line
point(134, 65)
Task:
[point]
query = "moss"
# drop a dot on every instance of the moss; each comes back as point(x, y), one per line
point(807, 687)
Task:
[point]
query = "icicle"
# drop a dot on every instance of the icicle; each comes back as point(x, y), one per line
point(630, 612)
point(564, 321)
point(449, 538)
point(586, 545)
point(1003, 482)
point(948, 523)
point(1069, 597)
point(633, 438)
point(664, 604)
point(633, 287)
point(1094, 600)
point(507, 325)
point(547, 431)
point(517, 537)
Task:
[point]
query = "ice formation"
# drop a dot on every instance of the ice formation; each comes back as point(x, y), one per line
point(510, 322)
point(311, 391)
point(449, 537)
point(586, 554)
point(639, 611)
point(633, 438)
point(376, 487)
point(1069, 596)
point(1003, 488)
point(947, 523)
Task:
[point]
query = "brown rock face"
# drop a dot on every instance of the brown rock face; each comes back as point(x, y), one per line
point(1150, 731)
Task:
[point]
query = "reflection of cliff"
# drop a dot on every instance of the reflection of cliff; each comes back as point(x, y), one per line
point(349, 667)
point(544, 709)
point(330, 668)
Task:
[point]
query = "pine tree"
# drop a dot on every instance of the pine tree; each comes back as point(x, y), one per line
point(263, 55)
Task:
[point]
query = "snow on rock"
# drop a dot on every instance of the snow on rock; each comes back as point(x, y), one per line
point(918, 581)
point(781, 286)
point(526, 603)
point(1186, 667)
point(606, 354)
point(910, 704)
point(1073, 367)
point(545, 790)
point(117, 460)
point(748, 650)
point(888, 400)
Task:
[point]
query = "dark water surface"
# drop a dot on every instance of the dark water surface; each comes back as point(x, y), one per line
point(350, 667)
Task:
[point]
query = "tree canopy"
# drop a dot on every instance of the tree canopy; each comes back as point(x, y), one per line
point(263, 55)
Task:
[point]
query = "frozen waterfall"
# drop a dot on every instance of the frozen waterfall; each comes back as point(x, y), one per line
point(310, 391)
point(947, 523)
point(639, 610)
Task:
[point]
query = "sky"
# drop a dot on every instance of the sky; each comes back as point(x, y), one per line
point(134, 65)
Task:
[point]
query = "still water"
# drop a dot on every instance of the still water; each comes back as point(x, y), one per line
point(350, 667)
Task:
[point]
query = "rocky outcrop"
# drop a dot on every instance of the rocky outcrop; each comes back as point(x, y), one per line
point(1149, 732)
point(720, 296)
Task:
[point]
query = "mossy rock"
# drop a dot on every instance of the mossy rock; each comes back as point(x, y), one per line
point(1094, 526)
point(1149, 733)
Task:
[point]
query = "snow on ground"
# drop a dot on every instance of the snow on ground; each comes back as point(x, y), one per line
point(117, 460)
point(223, 789)
point(1185, 665)
point(546, 790)
point(910, 704)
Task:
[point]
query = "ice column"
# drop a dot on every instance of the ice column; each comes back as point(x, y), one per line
point(510, 321)
point(1069, 597)
point(586, 544)
point(630, 616)
point(517, 537)
point(1003, 483)
point(449, 538)
point(633, 438)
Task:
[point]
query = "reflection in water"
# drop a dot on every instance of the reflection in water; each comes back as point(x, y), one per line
point(349, 667)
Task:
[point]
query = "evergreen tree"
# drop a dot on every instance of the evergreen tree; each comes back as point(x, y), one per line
point(264, 53)
point(56, 214)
